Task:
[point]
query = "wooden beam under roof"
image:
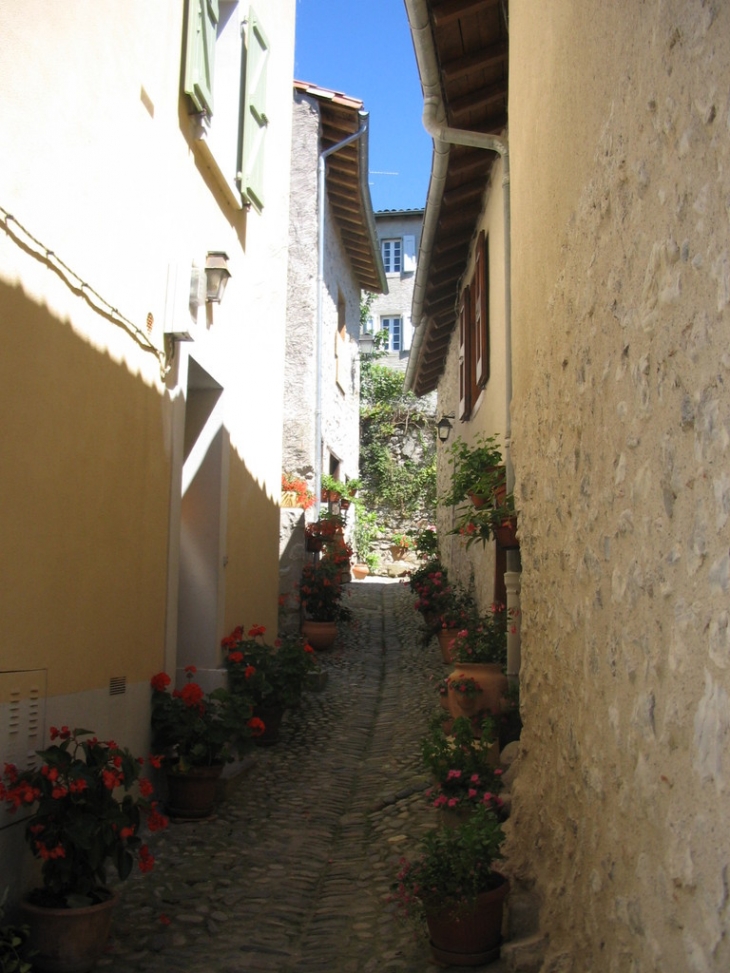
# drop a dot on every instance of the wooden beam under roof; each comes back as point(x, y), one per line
point(447, 12)
point(461, 194)
point(492, 94)
point(486, 58)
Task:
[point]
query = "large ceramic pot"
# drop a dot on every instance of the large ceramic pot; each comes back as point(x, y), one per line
point(68, 940)
point(493, 684)
point(360, 571)
point(192, 794)
point(320, 635)
point(446, 638)
point(469, 936)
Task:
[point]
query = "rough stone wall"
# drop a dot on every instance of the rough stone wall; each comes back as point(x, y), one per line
point(340, 402)
point(619, 119)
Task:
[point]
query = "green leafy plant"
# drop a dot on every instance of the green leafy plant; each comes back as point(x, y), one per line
point(366, 530)
point(401, 540)
point(425, 542)
point(402, 489)
point(271, 675)
point(12, 944)
point(463, 748)
point(85, 815)
point(477, 470)
point(454, 866)
point(191, 728)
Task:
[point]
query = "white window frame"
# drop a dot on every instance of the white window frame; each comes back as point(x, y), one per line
point(393, 324)
point(392, 251)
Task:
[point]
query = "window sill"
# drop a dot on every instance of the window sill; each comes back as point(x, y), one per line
point(201, 143)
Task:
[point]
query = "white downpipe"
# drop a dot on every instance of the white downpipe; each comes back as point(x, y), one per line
point(320, 297)
point(443, 135)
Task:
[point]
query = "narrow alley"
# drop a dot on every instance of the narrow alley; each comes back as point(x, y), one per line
point(293, 872)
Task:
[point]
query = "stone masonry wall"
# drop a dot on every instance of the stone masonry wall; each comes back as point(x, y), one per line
point(621, 291)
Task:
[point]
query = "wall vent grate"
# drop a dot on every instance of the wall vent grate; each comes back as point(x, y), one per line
point(117, 685)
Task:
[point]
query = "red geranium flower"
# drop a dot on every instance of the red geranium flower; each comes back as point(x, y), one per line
point(160, 682)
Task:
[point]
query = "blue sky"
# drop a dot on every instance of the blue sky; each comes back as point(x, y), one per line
point(363, 48)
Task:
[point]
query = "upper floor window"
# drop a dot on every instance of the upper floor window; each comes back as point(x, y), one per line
point(474, 332)
point(230, 124)
point(392, 256)
point(394, 327)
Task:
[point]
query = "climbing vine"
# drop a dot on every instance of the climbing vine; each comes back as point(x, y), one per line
point(397, 446)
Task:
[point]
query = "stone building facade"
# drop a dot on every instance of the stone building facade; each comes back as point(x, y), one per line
point(619, 430)
point(399, 237)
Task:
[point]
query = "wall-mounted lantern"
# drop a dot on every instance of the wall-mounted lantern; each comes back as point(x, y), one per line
point(444, 427)
point(216, 275)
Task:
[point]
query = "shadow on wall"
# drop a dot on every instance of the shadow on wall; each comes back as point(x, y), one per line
point(83, 505)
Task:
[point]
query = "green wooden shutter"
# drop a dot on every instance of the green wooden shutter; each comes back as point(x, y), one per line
point(200, 52)
point(254, 120)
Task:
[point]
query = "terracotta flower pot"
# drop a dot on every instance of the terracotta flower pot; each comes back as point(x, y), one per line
point(192, 794)
point(320, 635)
point(493, 683)
point(446, 638)
point(360, 571)
point(506, 534)
point(68, 940)
point(469, 936)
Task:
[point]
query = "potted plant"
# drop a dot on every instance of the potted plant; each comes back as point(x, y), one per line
point(399, 546)
point(195, 734)
point(458, 610)
point(479, 652)
point(295, 492)
point(453, 885)
point(477, 471)
point(321, 596)
point(332, 489)
point(478, 491)
point(272, 676)
point(434, 594)
point(88, 801)
point(366, 530)
point(327, 531)
point(13, 941)
point(426, 542)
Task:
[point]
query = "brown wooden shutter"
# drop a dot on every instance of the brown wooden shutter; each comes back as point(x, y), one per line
point(465, 355)
point(481, 312)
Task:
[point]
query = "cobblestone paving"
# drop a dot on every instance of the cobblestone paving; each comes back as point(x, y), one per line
point(292, 873)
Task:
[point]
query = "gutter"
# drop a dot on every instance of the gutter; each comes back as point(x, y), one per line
point(434, 121)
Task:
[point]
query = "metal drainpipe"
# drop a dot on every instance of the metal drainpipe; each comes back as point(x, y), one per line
point(443, 135)
point(320, 291)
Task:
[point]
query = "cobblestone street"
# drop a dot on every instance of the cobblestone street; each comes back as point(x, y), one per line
point(292, 873)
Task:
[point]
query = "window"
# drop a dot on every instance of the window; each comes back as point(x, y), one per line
point(394, 328)
point(230, 122)
point(392, 256)
point(474, 332)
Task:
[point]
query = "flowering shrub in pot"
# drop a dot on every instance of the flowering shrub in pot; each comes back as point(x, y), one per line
point(295, 492)
point(88, 802)
point(193, 729)
point(321, 590)
point(453, 884)
point(484, 637)
point(270, 675)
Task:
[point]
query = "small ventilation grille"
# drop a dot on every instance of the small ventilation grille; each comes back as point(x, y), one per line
point(117, 685)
